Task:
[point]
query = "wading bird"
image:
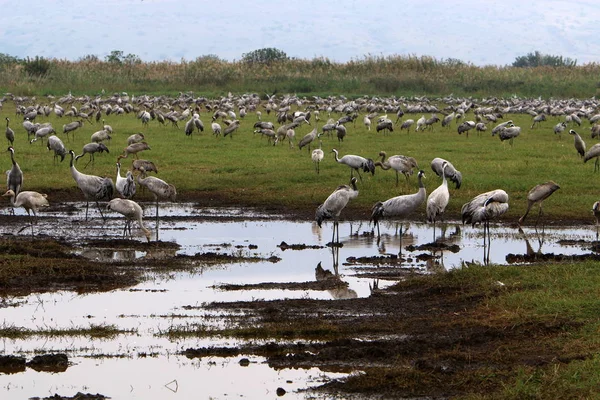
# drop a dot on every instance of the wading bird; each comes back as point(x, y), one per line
point(399, 207)
point(438, 200)
point(356, 163)
point(29, 200)
point(125, 185)
point(307, 139)
point(451, 173)
point(334, 204)
point(134, 149)
point(160, 189)
point(537, 195)
point(485, 208)
point(132, 212)
point(94, 188)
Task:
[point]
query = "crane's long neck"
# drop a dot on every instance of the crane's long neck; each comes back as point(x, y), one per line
point(385, 166)
point(383, 156)
point(420, 178)
point(12, 156)
point(335, 152)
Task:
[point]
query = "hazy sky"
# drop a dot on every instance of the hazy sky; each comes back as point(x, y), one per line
point(477, 31)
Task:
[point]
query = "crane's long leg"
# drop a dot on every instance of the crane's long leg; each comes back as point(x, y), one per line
point(87, 204)
point(99, 209)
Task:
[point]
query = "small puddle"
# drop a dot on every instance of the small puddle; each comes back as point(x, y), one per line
point(174, 298)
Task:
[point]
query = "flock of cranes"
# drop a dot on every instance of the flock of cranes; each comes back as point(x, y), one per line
point(482, 209)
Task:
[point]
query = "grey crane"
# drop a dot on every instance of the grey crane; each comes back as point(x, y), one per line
point(317, 156)
point(480, 127)
point(269, 133)
point(593, 152)
point(100, 136)
point(448, 119)
point(30, 127)
point(356, 163)
point(509, 133)
point(264, 125)
point(596, 211)
point(134, 149)
point(421, 123)
point(160, 189)
point(451, 173)
point(189, 127)
point(399, 207)
point(341, 133)
point(41, 133)
point(132, 211)
point(333, 206)
point(147, 165)
point(465, 127)
point(329, 127)
point(10, 134)
point(308, 139)
point(578, 142)
point(595, 130)
point(399, 163)
point(30, 201)
point(71, 127)
point(107, 127)
point(94, 188)
point(367, 122)
point(387, 125)
point(135, 138)
point(14, 176)
point(438, 201)
point(484, 208)
point(538, 119)
point(91, 149)
point(559, 128)
point(537, 195)
point(198, 124)
point(125, 185)
point(55, 144)
point(216, 128)
point(231, 128)
point(407, 124)
point(500, 127)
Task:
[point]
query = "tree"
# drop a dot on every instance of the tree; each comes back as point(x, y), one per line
point(8, 59)
point(89, 58)
point(264, 56)
point(537, 59)
point(118, 57)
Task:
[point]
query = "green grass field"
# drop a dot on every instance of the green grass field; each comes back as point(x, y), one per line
point(245, 170)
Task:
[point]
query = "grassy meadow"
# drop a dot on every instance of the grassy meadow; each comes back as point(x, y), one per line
point(246, 170)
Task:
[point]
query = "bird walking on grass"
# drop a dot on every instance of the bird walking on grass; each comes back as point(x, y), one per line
point(356, 163)
point(317, 156)
point(125, 185)
point(334, 204)
point(579, 143)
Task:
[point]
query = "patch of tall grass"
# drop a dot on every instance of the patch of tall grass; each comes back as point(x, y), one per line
point(370, 75)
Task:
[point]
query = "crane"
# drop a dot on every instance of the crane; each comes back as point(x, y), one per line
point(334, 204)
point(94, 188)
point(132, 212)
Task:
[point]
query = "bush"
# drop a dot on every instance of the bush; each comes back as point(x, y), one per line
point(38, 66)
point(264, 56)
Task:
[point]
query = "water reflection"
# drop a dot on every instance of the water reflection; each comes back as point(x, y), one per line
point(341, 288)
